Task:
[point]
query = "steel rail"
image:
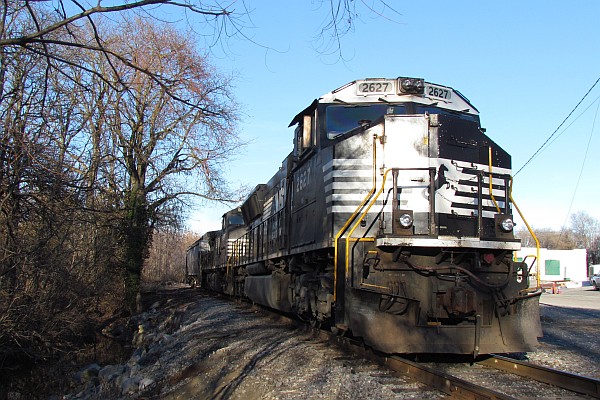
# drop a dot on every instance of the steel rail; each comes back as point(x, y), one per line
point(573, 382)
point(449, 384)
point(446, 383)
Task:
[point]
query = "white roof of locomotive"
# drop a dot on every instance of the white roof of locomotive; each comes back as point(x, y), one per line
point(351, 93)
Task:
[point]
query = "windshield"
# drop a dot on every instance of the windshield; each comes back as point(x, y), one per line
point(236, 219)
point(343, 118)
point(422, 109)
point(340, 119)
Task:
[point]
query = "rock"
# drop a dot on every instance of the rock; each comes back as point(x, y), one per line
point(118, 331)
point(121, 378)
point(146, 383)
point(130, 385)
point(110, 373)
point(134, 369)
point(86, 374)
point(174, 321)
point(164, 339)
point(135, 358)
point(90, 390)
point(148, 338)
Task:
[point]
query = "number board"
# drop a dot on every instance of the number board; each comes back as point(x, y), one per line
point(438, 92)
point(376, 86)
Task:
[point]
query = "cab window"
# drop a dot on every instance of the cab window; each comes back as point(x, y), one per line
point(232, 219)
point(304, 139)
point(422, 109)
point(236, 219)
point(343, 118)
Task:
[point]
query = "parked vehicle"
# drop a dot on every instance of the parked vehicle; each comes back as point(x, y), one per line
point(595, 280)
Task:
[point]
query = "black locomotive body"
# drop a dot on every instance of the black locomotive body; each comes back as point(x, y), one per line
point(391, 219)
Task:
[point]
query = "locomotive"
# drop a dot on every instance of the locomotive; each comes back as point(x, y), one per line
point(391, 220)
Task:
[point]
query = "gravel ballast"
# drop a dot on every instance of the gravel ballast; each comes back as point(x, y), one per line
point(205, 347)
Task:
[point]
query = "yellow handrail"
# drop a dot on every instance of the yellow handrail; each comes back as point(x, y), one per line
point(376, 196)
point(354, 214)
point(348, 237)
point(537, 242)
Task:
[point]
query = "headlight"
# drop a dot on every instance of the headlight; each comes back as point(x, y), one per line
point(507, 224)
point(405, 220)
point(411, 85)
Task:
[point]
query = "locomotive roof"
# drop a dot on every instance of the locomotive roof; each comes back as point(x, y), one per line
point(397, 90)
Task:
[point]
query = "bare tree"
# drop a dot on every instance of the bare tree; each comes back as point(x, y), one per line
point(48, 20)
point(159, 141)
point(583, 233)
point(341, 18)
point(103, 134)
point(585, 229)
point(548, 238)
point(53, 266)
point(167, 256)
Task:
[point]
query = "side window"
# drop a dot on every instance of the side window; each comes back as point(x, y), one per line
point(304, 136)
point(235, 219)
point(204, 246)
point(307, 130)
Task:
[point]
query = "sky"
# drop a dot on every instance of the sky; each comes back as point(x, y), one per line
point(523, 65)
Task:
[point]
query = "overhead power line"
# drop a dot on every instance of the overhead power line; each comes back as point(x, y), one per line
point(557, 129)
point(582, 166)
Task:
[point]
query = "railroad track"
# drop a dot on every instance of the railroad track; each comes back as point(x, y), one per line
point(572, 382)
point(461, 388)
point(502, 371)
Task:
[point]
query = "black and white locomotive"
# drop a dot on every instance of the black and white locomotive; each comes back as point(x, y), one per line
point(391, 219)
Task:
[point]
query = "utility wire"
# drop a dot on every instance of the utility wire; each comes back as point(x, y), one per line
point(582, 167)
point(556, 130)
point(572, 122)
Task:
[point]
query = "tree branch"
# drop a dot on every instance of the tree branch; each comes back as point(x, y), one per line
point(20, 41)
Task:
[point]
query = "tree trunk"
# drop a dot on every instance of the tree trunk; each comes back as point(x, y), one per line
point(136, 239)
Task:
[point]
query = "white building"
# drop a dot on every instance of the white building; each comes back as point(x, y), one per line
point(558, 265)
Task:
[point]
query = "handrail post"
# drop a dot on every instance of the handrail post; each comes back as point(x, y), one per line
point(537, 242)
point(432, 224)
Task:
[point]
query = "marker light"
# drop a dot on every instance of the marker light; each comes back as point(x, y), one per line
point(507, 224)
point(405, 220)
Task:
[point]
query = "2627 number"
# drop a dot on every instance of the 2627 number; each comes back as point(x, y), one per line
point(438, 92)
point(375, 87)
